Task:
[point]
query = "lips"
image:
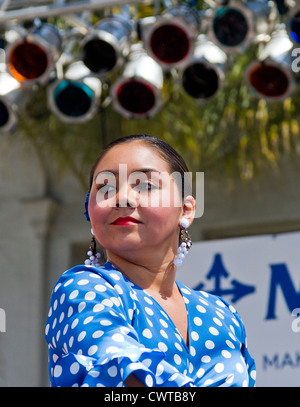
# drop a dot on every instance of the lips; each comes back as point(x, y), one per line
point(126, 221)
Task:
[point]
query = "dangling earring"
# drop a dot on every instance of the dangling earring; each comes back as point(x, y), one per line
point(186, 243)
point(92, 252)
point(94, 256)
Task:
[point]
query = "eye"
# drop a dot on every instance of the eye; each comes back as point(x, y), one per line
point(144, 186)
point(105, 188)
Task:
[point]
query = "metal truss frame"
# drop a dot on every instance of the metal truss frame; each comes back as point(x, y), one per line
point(17, 10)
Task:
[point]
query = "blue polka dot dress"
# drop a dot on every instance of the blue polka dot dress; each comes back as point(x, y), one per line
point(101, 328)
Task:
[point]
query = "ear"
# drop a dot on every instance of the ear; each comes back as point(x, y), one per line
point(188, 209)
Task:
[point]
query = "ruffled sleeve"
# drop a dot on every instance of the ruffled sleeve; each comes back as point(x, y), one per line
point(91, 339)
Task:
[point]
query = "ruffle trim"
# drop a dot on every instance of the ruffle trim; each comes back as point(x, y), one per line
point(112, 370)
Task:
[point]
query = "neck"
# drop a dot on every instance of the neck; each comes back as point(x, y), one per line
point(157, 277)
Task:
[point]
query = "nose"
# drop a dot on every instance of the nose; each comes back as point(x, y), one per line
point(126, 197)
point(127, 205)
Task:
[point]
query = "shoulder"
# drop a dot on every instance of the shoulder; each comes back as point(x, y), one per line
point(88, 281)
point(86, 291)
point(215, 306)
point(206, 298)
point(83, 275)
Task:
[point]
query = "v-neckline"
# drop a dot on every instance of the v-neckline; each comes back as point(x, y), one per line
point(161, 308)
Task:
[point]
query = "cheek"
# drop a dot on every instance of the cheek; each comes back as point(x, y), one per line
point(162, 227)
point(167, 197)
point(98, 214)
point(162, 219)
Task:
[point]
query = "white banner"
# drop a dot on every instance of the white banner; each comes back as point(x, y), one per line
point(260, 276)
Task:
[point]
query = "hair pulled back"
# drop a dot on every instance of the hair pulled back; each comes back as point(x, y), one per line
point(174, 160)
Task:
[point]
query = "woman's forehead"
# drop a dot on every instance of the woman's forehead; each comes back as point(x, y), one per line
point(136, 155)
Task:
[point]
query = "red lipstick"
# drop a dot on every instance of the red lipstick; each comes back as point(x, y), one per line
point(126, 220)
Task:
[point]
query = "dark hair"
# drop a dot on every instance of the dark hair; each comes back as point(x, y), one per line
point(174, 160)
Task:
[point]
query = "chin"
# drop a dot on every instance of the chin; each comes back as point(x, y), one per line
point(121, 246)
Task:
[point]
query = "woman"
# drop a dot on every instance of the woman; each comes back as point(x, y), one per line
point(130, 322)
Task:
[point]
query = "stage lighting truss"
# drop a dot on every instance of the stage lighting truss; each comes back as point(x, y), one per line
point(12, 98)
point(106, 46)
point(138, 92)
point(76, 97)
point(169, 38)
point(131, 53)
point(204, 76)
point(32, 58)
point(234, 26)
point(271, 76)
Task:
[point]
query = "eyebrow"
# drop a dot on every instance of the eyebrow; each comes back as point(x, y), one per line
point(144, 170)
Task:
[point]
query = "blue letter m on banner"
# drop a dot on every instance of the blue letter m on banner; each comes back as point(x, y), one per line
point(280, 278)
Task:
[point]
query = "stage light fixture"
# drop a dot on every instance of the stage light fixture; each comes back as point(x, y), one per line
point(75, 98)
point(293, 23)
point(32, 58)
point(138, 91)
point(169, 38)
point(107, 44)
point(271, 76)
point(12, 98)
point(234, 26)
point(204, 76)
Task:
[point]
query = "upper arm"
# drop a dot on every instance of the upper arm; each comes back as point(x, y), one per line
point(92, 340)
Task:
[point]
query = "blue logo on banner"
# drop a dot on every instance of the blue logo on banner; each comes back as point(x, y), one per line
point(280, 278)
point(218, 273)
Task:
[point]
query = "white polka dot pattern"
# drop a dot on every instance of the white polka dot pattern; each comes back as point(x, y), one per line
point(101, 328)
